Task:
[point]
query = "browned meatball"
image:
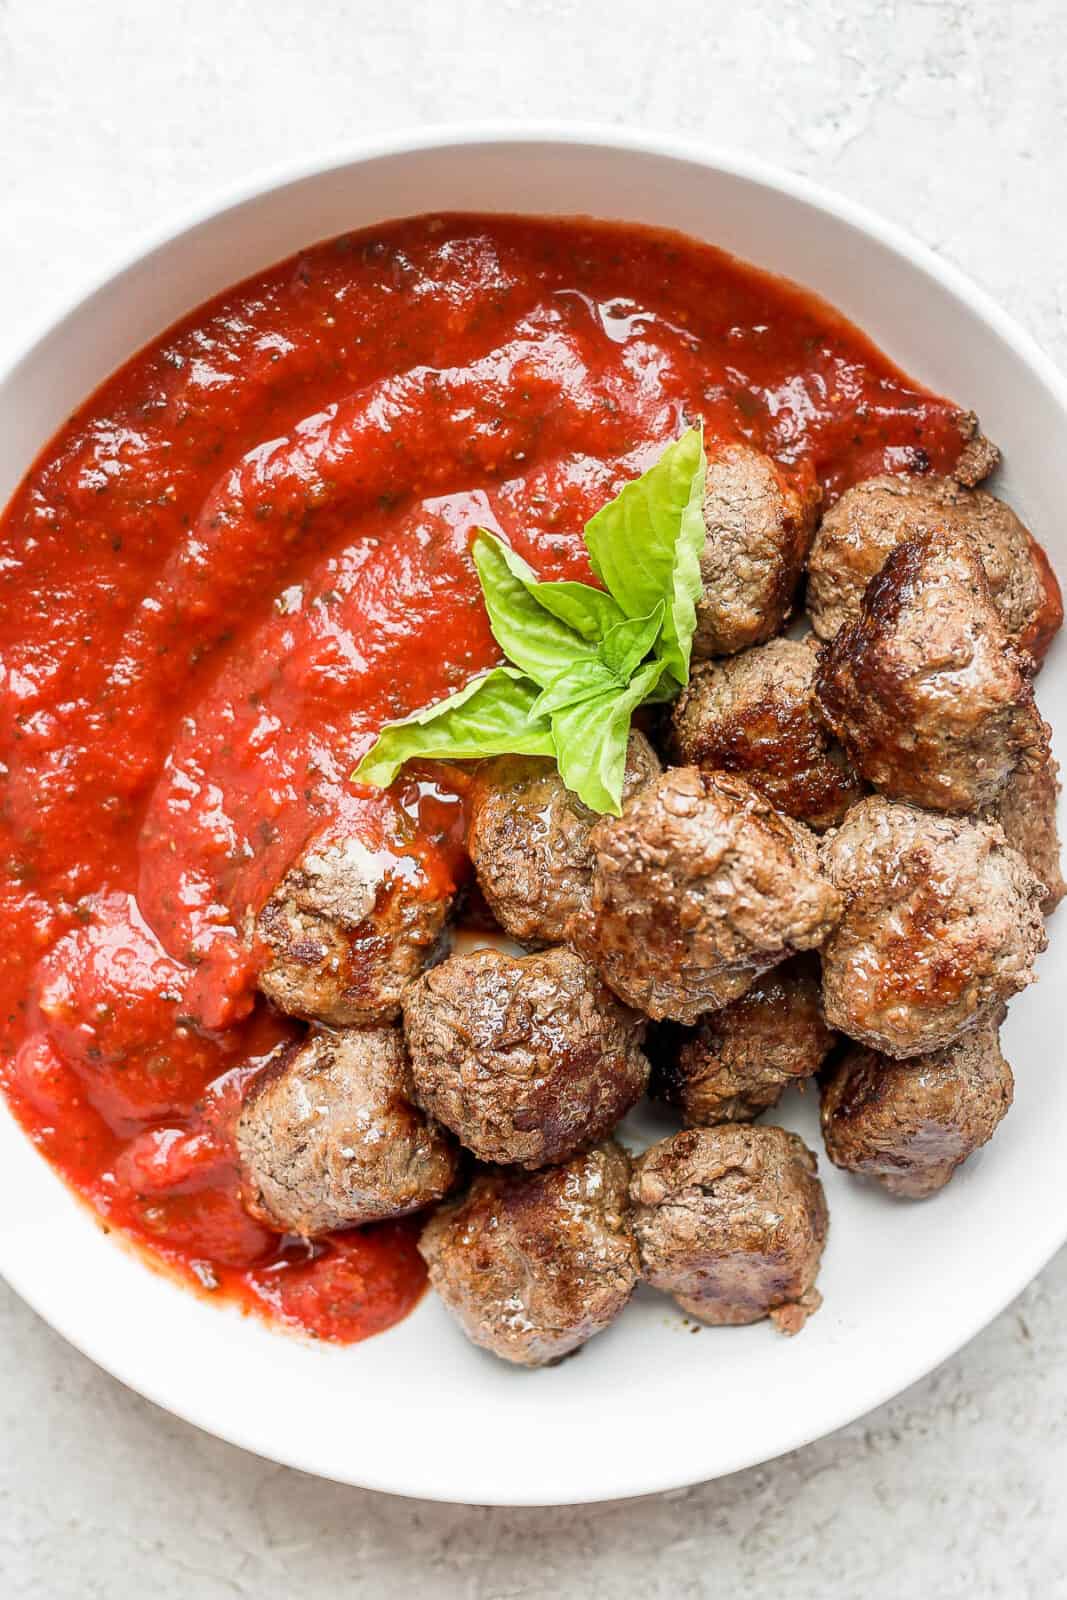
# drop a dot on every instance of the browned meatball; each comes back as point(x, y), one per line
point(941, 924)
point(759, 528)
point(533, 1265)
point(349, 927)
point(979, 455)
point(527, 1059)
point(873, 517)
point(529, 841)
point(757, 714)
point(699, 887)
point(910, 1124)
point(739, 1061)
point(328, 1137)
point(732, 1222)
point(1026, 810)
point(928, 697)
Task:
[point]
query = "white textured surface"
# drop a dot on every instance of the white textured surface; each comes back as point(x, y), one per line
point(948, 117)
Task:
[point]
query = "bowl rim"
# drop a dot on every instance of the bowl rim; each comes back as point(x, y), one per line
point(416, 140)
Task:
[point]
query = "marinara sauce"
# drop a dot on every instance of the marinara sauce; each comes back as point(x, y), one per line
point(245, 553)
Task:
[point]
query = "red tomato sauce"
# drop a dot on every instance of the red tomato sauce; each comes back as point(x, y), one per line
point(245, 553)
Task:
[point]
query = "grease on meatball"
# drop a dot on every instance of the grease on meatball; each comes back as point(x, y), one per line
point(759, 528)
point(732, 1221)
point(930, 700)
point(756, 714)
point(529, 841)
point(941, 925)
point(910, 1124)
point(350, 925)
point(329, 1138)
point(873, 517)
point(739, 1061)
point(533, 1265)
point(527, 1059)
point(699, 887)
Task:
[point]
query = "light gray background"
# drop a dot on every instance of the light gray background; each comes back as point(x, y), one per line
point(950, 118)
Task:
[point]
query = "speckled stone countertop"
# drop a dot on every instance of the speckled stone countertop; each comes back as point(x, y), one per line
point(947, 115)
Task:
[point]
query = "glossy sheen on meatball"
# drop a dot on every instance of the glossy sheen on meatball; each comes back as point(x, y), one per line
point(873, 517)
point(732, 1222)
point(329, 1138)
point(529, 841)
point(757, 714)
point(909, 1124)
point(928, 697)
point(533, 1265)
point(1026, 810)
point(699, 887)
point(759, 528)
point(738, 1061)
point(348, 928)
point(941, 924)
point(527, 1059)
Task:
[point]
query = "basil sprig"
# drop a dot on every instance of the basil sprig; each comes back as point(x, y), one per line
point(582, 659)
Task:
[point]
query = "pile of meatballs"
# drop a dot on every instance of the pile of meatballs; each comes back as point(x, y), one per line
point(833, 863)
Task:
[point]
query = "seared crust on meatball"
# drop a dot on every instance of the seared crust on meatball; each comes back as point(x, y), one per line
point(529, 841)
point(873, 517)
point(928, 697)
point(738, 1061)
point(1026, 810)
point(757, 714)
point(910, 1124)
point(759, 529)
point(941, 924)
point(329, 1138)
point(348, 928)
point(699, 887)
point(533, 1265)
point(527, 1059)
point(732, 1222)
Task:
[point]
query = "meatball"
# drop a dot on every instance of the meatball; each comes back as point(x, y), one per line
point(349, 927)
point(941, 924)
point(929, 699)
point(979, 456)
point(328, 1136)
point(910, 1124)
point(527, 1059)
point(757, 714)
point(699, 887)
point(873, 517)
point(531, 1265)
point(740, 1060)
point(529, 841)
point(759, 529)
point(732, 1222)
point(1026, 810)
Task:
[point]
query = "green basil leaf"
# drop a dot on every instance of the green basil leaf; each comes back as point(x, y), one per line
point(590, 740)
point(645, 545)
point(663, 693)
point(490, 716)
point(581, 681)
point(592, 613)
point(535, 640)
point(624, 647)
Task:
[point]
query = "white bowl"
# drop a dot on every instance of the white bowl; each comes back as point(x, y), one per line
point(648, 1406)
